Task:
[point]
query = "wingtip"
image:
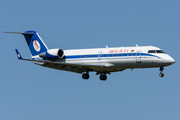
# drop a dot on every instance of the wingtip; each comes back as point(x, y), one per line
point(18, 54)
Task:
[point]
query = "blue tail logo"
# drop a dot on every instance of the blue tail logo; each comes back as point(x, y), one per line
point(35, 43)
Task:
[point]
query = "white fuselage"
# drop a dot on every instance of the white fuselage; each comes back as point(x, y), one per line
point(119, 57)
point(107, 60)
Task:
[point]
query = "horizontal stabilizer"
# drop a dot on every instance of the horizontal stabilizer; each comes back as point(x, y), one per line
point(19, 33)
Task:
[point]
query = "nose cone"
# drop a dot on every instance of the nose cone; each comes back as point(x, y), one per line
point(170, 60)
point(173, 61)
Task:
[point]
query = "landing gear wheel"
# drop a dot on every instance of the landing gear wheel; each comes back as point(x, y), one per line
point(161, 75)
point(103, 77)
point(85, 76)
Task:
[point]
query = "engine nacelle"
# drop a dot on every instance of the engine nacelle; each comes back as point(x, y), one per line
point(52, 54)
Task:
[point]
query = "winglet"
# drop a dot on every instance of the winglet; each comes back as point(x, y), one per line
point(18, 55)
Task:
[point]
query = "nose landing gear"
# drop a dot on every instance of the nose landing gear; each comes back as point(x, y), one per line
point(161, 74)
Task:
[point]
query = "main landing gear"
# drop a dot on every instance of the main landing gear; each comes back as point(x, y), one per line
point(103, 77)
point(85, 76)
point(161, 74)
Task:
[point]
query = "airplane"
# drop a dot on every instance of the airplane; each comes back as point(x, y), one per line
point(103, 61)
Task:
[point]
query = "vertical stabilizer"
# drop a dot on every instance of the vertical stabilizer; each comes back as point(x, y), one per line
point(35, 43)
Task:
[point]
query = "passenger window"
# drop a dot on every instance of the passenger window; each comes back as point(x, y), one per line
point(151, 51)
point(123, 54)
point(128, 54)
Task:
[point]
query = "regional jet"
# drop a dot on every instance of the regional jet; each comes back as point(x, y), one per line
point(103, 61)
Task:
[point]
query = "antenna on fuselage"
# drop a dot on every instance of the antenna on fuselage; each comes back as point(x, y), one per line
point(106, 46)
point(137, 45)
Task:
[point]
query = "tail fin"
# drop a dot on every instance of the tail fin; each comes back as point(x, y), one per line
point(35, 43)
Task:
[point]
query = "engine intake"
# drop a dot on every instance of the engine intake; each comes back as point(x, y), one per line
point(52, 54)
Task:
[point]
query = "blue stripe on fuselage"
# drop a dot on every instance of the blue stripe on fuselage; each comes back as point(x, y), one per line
point(108, 55)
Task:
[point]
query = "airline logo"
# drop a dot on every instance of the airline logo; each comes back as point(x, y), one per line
point(36, 45)
point(120, 51)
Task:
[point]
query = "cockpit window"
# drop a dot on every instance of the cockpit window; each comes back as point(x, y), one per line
point(159, 51)
point(151, 51)
point(156, 51)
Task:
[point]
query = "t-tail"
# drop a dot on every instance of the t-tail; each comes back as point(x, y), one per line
point(34, 42)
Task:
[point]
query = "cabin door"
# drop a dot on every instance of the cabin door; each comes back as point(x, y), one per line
point(99, 55)
point(138, 57)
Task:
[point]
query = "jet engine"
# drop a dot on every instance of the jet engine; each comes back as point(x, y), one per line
point(52, 54)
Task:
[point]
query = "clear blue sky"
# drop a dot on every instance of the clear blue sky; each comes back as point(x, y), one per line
point(31, 92)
